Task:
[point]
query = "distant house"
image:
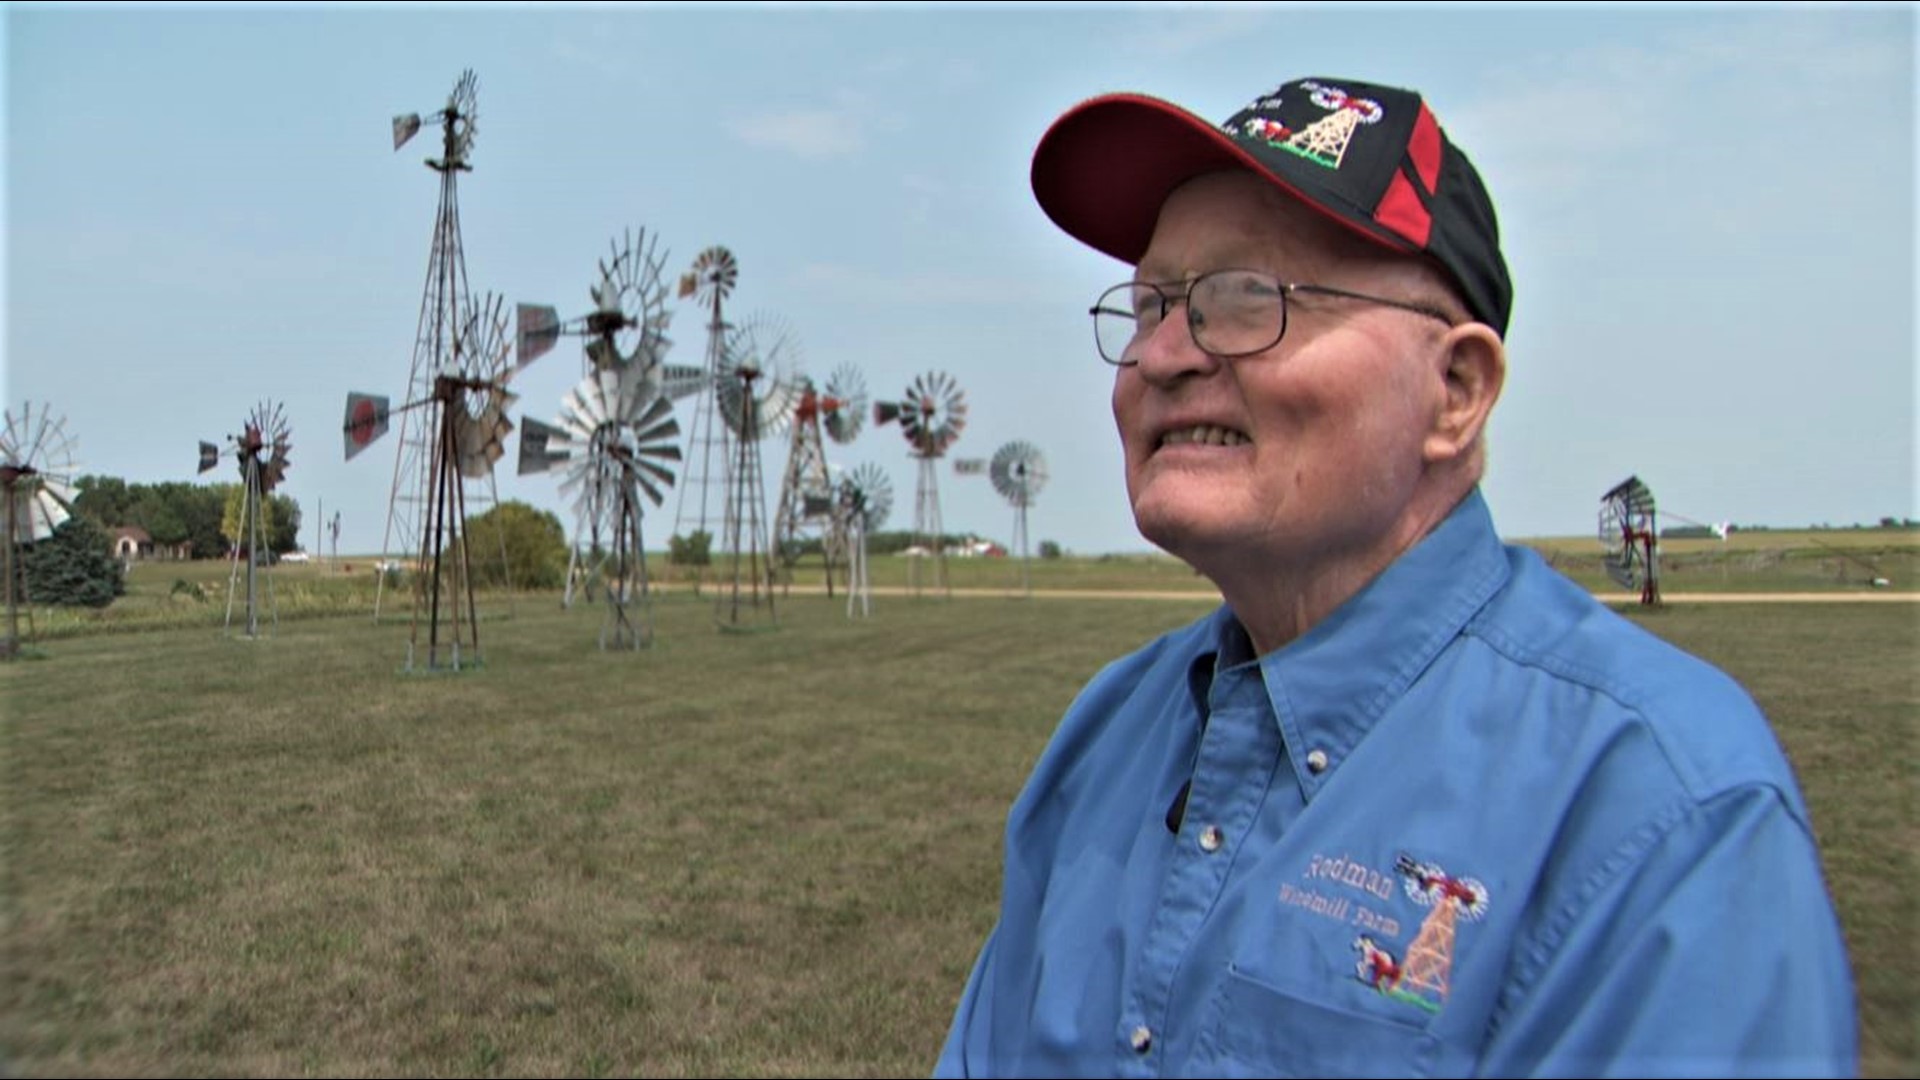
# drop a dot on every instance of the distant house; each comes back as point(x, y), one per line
point(131, 542)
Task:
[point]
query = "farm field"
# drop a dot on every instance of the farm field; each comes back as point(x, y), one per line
point(769, 853)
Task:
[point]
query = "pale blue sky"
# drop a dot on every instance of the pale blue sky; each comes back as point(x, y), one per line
point(1709, 213)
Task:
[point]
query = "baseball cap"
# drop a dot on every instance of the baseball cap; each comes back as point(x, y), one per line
point(1373, 158)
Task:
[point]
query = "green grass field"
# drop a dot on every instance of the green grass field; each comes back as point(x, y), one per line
point(765, 854)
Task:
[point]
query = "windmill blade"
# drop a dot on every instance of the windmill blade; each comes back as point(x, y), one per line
point(48, 514)
point(366, 421)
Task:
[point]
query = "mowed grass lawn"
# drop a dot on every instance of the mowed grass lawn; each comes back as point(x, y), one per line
point(766, 853)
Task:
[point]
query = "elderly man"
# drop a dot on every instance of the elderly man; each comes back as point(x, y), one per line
point(1409, 803)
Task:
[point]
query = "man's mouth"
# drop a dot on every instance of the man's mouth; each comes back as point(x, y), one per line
point(1203, 435)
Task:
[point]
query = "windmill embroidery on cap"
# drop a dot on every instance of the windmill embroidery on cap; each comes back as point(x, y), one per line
point(1323, 142)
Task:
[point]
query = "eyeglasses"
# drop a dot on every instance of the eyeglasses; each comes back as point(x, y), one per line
point(1231, 313)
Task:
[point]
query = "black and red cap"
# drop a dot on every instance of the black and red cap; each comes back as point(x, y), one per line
point(1371, 157)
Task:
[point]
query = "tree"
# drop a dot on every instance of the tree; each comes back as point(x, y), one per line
point(74, 567)
point(283, 524)
point(233, 522)
point(534, 541)
point(1049, 549)
point(694, 549)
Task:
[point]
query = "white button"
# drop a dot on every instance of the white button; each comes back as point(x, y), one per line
point(1317, 762)
point(1211, 839)
point(1142, 1040)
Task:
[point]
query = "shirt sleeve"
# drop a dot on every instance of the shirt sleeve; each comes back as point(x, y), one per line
point(1707, 945)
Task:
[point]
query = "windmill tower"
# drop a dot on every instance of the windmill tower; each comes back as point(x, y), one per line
point(862, 501)
point(444, 311)
point(625, 334)
point(710, 281)
point(755, 390)
point(1324, 142)
point(1429, 963)
point(261, 451)
point(613, 442)
point(37, 474)
point(1630, 537)
point(807, 492)
point(465, 410)
point(1019, 471)
point(931, 416)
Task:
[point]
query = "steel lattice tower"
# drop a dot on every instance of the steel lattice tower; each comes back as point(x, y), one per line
point(445, 305)
point(711, 279)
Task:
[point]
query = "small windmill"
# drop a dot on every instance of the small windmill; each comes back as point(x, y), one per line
point(613, 444)
point(625, 333)
point(755, 390)
point(466, 409)
point(931, 416)
point(261, 451)
point(710, 281)
point(836, 411)
point(1019, 471)
point(37, 476)
point(1630, 538)
point(862, 500)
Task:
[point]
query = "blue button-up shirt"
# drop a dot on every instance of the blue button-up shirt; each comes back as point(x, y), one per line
point(1473, 823)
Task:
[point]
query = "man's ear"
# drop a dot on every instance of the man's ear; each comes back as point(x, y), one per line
point(1475, 369)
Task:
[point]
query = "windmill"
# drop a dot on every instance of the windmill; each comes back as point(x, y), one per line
point(613, 443)
point(931, 416)
point(862, 500)
point(1630, 539)
point(260, 450)
point(625, 333)
point(755, 391)
point(445, 304)
point(628, 323)
point(37, 475)
point(465, 409)
point(710, 281)
point(1019, 471)
point(806, 493)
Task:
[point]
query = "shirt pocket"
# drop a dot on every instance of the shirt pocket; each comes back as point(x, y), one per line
point(1257, 1030)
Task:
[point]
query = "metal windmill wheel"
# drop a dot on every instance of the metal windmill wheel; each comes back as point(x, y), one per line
point(628, 322)
point(614, 445)
point(1629, 536)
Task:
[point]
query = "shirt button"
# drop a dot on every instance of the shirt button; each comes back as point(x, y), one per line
point(1317, 762)
point(1142, 1040)
point(1211, 839)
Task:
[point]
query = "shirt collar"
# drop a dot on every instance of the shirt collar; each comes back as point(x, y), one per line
point(1331, 685)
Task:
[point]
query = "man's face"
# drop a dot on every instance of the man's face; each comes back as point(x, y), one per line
point(1306, 454)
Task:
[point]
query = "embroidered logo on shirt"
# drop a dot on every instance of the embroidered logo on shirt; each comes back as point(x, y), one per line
point(1422, 978)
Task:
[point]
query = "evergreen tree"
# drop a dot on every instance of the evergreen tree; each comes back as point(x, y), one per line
point(74, 567)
